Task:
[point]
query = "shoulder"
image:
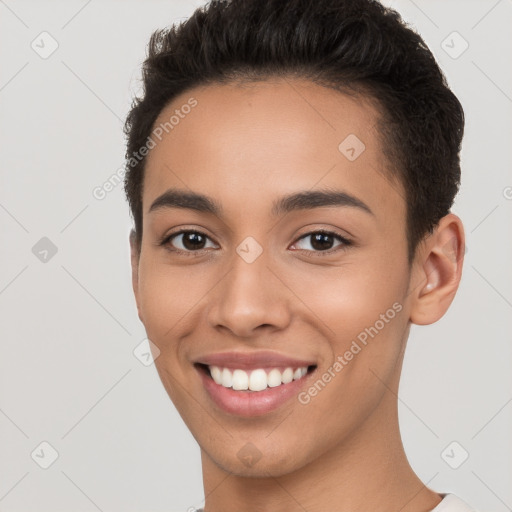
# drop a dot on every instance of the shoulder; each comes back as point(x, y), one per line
point(452, 503)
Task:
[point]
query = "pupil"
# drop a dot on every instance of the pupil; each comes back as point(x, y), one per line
point(190, 241)
point(320, 242)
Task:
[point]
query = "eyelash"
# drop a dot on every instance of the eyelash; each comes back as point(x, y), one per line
point(345, 242)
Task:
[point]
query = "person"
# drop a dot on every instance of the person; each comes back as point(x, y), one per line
point(291, 166)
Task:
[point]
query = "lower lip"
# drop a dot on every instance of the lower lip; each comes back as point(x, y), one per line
point(251, 403)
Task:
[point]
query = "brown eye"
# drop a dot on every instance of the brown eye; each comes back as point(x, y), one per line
point(323, 241)
point(193, 240)
point(187, 241)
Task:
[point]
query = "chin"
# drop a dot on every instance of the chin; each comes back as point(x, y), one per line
point(250, 462)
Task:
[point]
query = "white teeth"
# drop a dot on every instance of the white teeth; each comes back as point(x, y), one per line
point(216, 374)
point(257, 380)
point(274, 378)
point(240, 380)
point(287, 376)
point(227, 378)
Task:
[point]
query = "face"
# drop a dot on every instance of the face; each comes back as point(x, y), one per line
point(305, 300)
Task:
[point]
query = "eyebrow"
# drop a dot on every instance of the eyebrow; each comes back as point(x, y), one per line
point(303, 200)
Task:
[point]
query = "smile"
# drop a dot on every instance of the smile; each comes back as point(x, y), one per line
point(252, 384)
point(255, 380)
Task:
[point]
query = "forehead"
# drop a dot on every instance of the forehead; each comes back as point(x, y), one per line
point(247, 144)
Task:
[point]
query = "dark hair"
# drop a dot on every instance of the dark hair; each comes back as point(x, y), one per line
point(355, 46)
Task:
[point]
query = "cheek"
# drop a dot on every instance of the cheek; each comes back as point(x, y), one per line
point(167, 293)
point(353, 298)
point(364, 311)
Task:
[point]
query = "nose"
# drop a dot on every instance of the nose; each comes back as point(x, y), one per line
point(249, 299)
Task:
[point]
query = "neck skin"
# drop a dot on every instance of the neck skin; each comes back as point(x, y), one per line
point(368, 471)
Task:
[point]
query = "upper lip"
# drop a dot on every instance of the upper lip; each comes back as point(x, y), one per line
point(252, 360)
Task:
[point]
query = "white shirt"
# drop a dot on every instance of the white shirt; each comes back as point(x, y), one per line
point(450, 503)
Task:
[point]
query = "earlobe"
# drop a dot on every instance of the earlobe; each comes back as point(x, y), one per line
point(135, 258)
point(438, 271)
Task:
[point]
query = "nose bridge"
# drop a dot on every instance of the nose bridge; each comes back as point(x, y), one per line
point(250, 295)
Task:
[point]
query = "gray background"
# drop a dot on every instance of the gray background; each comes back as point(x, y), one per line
point(68, 375)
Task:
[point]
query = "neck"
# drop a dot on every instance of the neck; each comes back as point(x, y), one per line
point(366, 471)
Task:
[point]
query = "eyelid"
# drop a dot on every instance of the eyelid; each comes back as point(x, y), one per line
point(166, 239)
point(346, 241)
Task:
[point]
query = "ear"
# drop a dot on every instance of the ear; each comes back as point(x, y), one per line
point(437, 271)
point(135, 258)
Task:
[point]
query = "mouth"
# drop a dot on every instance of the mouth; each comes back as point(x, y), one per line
point(249, 390)
point(255, 380)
